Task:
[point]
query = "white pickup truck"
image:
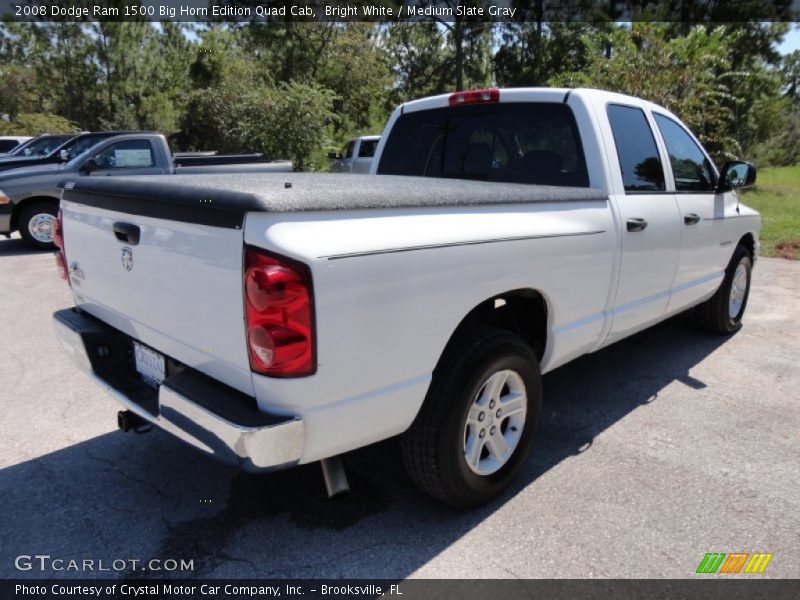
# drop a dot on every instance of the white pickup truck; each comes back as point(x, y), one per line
point(272, 320)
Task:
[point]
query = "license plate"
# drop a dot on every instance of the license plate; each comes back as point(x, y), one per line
point(149, 363)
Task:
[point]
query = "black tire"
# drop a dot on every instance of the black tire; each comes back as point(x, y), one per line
point(30, 212)
point(714, 314)
point(434, 446)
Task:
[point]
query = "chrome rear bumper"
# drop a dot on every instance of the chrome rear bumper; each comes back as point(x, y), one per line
point(199, 410)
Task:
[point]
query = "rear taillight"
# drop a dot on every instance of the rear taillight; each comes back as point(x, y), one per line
point(58, 232)
point(279, 314)
point(61, 265)
point(475, 97)
point(58, 240)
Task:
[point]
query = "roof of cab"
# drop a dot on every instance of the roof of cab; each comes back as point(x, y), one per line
point(532, 94)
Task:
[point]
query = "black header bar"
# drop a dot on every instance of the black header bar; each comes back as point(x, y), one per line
point(388, 11)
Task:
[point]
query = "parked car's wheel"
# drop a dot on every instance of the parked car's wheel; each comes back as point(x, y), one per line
point(476, 425)
point(36, 223)
point(723, 312)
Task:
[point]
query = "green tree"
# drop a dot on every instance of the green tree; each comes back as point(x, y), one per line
point(420, 58)
point(436, 57)
point(468, 39)
point(36, 124)
point(529, 54)
point(16, 90)
point(243, 113)
point(62, 58)
point(790, 72)
point(689, 75)
point(343, 57)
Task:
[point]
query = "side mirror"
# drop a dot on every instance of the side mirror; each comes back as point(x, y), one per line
point(89, 166)
point(333, 155)
point(736, 174)
point(63, 155)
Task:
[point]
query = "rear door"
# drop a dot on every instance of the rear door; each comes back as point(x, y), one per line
point(651, 227)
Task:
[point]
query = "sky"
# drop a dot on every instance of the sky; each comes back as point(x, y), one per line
point(792, 41)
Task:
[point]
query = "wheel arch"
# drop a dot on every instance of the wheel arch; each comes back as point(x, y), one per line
point(748, 240)
point(22, 204)
point(523, 311)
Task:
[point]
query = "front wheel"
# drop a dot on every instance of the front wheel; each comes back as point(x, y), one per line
point(723, 312)
point(476, 425)
point(36, 224)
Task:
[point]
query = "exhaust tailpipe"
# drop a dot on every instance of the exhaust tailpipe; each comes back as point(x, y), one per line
point(128, 420)
point(335, 476)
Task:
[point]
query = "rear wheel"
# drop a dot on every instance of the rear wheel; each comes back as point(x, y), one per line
point(36, 223)
point(476, 425)
point(723, 312)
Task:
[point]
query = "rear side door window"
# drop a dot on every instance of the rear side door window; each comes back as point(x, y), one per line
point(691, 167)
point(636, 149)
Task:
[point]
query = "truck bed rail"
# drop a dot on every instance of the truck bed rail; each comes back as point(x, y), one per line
point(223, 200)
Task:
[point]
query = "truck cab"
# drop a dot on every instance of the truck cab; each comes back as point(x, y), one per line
point(662, 184)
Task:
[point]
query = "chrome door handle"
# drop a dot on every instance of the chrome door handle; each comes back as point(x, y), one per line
point(691, 219)
point(126, 232)
point(636, 224)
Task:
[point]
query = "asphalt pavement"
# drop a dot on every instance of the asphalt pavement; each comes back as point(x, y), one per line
point(649, 454)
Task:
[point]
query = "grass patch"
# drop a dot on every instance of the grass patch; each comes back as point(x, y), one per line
point(777, 197)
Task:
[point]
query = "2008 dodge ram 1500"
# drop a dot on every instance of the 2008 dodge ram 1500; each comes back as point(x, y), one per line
point(275, 320)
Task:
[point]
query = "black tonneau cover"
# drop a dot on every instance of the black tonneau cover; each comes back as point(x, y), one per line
point(223, 200)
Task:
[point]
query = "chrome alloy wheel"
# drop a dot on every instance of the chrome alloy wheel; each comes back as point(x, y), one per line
point(495, 422)
point(41, 227)
point(738, 291)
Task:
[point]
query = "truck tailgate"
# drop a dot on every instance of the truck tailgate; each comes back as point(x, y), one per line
point(178, 289)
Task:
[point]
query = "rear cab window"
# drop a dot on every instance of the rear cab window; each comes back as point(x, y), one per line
point(531, 142)
point(639, 160)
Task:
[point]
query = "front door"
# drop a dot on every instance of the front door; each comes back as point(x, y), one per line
point(705, 246)
point(345, 162)
point(363, 160)
point(128, 157)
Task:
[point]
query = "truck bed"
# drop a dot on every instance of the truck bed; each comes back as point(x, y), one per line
point(223, 200)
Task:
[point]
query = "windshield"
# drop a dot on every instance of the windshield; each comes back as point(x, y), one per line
point(41, 146)
point(80, 158)
point(511, 142)
point(80, 145)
